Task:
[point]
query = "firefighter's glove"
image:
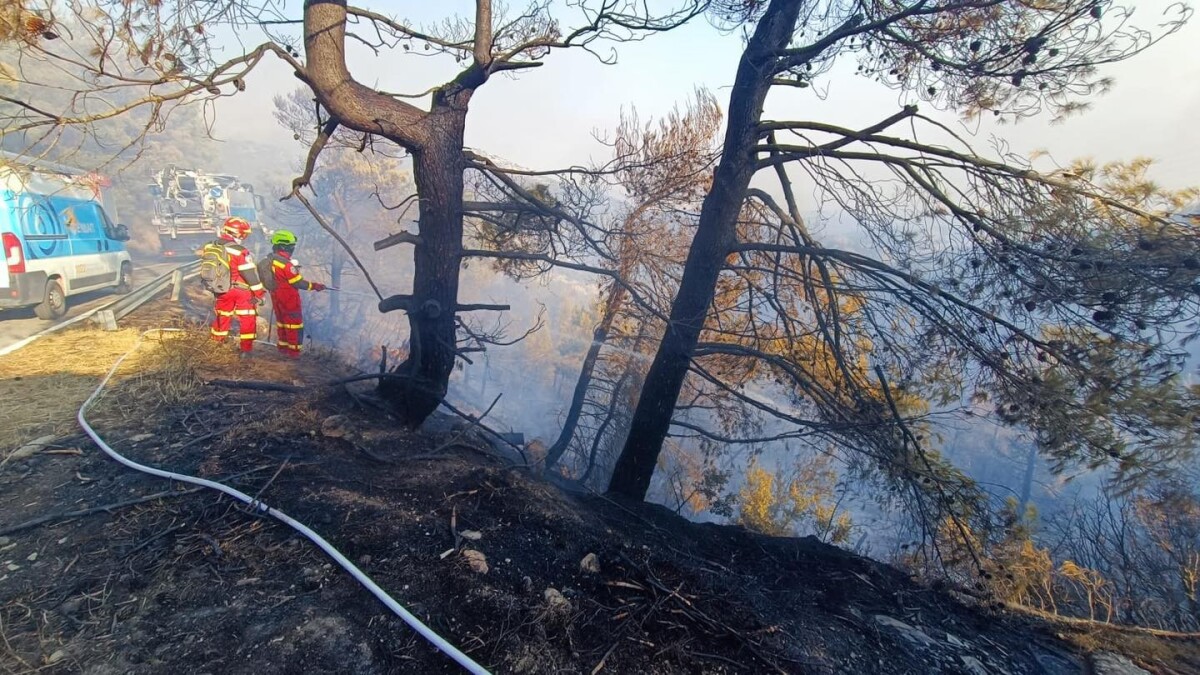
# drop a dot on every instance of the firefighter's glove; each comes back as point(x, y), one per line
point(318, 287)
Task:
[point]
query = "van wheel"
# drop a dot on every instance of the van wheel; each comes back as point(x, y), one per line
point(54, 306)
point(125, 282)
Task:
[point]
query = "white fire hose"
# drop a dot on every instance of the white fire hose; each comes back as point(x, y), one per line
point(438, 641)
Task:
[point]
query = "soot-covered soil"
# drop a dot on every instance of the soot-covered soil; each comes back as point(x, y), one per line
point(523, 576)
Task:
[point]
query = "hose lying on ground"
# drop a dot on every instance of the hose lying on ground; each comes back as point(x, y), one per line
point(256, 504)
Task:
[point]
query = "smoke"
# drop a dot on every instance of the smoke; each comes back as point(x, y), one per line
point(536, 376)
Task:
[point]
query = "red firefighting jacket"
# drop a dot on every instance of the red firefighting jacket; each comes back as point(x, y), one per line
point(288, 280)
point(242, 270)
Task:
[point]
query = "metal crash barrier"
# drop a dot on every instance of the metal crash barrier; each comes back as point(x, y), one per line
point(109, 315)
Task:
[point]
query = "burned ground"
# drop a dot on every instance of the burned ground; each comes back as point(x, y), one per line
point(194, 582)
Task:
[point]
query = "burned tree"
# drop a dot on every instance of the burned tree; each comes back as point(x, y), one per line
point(1055, 296)
point(435, 140)
point(658, 168)
point(173, 45)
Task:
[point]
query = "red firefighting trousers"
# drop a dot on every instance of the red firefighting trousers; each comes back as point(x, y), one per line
point(289, 321)
point(236, 303)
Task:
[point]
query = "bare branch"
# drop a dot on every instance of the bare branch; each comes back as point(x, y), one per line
point(310, 161)
point(397, 239)
point(353, 104)
point(334, 233)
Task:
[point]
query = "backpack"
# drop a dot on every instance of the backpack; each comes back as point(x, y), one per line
point(215, 273)
point(266, 272)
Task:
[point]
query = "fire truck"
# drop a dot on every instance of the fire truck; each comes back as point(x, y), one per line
point(190, 206)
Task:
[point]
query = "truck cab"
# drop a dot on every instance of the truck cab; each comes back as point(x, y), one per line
point(58, 239)
point(190, 206)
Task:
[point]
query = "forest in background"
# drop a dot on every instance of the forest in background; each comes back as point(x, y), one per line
point(781, 425)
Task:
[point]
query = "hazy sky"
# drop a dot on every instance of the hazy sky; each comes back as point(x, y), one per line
point(546, 117)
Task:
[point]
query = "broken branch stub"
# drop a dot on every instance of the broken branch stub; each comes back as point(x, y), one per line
point(397, 239)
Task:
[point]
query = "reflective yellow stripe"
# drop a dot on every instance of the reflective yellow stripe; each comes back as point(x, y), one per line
point(290, 326)
point(245, 312)
point(256, 287)
point(279, 264)
point(219, 333)
point(295, 279)
point(224, 312)
point(246, 266)
point(288, 345)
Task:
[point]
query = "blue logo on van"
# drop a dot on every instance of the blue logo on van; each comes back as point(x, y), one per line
point(43, 231)
point(215, 192)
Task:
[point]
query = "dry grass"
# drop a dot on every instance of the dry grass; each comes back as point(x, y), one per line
point(44, 384)
point(169, 371)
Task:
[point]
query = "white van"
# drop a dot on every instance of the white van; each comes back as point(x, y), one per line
point(56, 237)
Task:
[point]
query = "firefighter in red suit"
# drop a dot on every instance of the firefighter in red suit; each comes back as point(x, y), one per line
point(240, 302)
point(285, 294)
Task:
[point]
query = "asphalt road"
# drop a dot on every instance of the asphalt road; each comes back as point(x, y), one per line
point(18, 324)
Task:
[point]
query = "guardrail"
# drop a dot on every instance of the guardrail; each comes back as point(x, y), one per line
point(108, 316)
point(125, 304)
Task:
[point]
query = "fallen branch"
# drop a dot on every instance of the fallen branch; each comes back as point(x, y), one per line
point(266, 485)
point(199, 439)
point(371, 454)
point(700, 618)
point(212, 542)
point(443, 455)
point(369, 402)
point(474, 422)
point(481, 425)
point(263, 385)
point(152, 539)
point(1093, 624)
point(66, 515)
point(253, 385)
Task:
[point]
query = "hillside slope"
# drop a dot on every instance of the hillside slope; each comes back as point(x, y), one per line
point(192, 582)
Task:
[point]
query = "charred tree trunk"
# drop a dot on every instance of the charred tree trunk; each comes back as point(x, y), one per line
point(715, 237)
point(616, 298)
point(434, 137)
point(610, 414)
point(335, 280)
point(487, 370)
point(438, 172)
point(624, 392)
point(336, 265)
